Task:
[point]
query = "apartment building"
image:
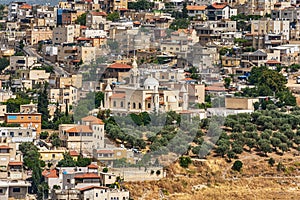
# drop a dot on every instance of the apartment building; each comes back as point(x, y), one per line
point(35, 35)
point(95, 20)
point(63, 34)
point(218, 11)
point(271, 26)
point(88, 136)
point(22, 62)
point(27, 120)
point(110, 155)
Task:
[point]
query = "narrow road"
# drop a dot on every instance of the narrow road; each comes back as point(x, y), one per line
point(57, 70)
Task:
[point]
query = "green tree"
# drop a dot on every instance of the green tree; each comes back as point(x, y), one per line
point(43, 103)
point(83, 162)
point(237, 165)
point(44, 135)
point(271, 162)
point(105, 170)
point(4, 62)
point(264, 146)
point(227, 82)
point(81, 19)
point(31, 161)
point(114, 16)
point(67, 161)
point(185, 161)
point(181, 23)
point(55, 140)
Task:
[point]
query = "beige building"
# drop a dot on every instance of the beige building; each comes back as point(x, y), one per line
point(68, 94)
point(74, 80)
point(36, 35)
point(22, 62)
point(87, 54)
point(5, 95)
point(237, 103)
point(109, 155)
point(95, 19)
point(63, 34)
point(119, 5)
point(271, 26)
point(88, 136)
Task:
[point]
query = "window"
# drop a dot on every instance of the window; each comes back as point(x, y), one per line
point(1, 191)
point(53, 156)
point(115, 104)
point(20, 134)
point(133, 105)
point(16, 190)
point(149, 105)
point(96, 194)
point(68, 180)
point(140, 106)
point(122, 104)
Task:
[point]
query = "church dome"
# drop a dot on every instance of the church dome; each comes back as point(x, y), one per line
point(150, 83)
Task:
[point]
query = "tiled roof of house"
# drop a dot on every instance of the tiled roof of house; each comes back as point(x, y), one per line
point(98, 13)
point(87, 175)
point(273, 62)
point(92, 166)
point(52, 173)
point(15, 163)
point(105, 151)
point(92, 187)
point(195, 7)
point(118, 96)
point(4, 147)
point(219, 5)
point(119, 66)
point(73, 153)
point(92, 119)
point(79, 129)
point(25, 6)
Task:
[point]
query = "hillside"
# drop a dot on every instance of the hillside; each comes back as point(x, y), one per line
point(214, 179)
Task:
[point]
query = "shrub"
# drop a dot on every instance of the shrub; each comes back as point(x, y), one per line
point(105, 170)
point(185, 161)
point(237, 166)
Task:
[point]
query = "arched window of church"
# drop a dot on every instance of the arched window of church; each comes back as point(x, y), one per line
point(149, 105)
point(115, 104)
point(140, 106)
point(133, 105)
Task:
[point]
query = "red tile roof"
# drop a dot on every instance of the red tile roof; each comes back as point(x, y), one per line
point(118, 96)
point(87, 175)
point(119, 66)
point(92, 187)
point(219, 5)
point(215, 88)
point(52, 173)
point(79, 129)
point(14, 163)
point(83, 27)
point(98, 13)
point(137, 22)
point(123, 9)
point(5, 147)
point(273, 62)
point(92, 119)
point(73, 153)
point(196, 7)
point(25, 6)
point(105, 151)
point(92, 166)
